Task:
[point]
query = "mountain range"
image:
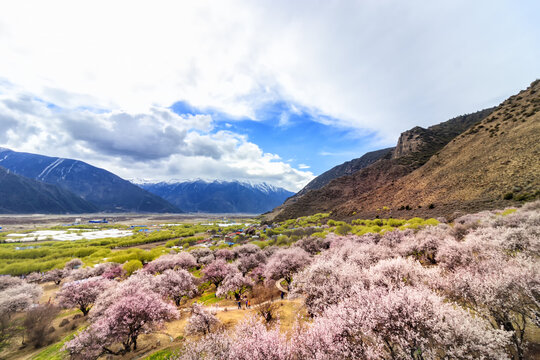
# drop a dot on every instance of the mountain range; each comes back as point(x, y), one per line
point(32, 183)
point(483, 160)
point(105, 191)
point(219, 196)
point(473, 162)
point(20, 195)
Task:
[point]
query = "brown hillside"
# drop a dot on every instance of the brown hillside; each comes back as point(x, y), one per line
point(498, 155)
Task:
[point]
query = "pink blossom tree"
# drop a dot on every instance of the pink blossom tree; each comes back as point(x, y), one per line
point(55, 275)
point(73, 263)
point(253, 341)
point(325, 282)
point(82, 293)
point(200, 253)
point(249, 262)
point(234, 283)
point(182, 260)
point(140, 280)
point(213, 346)
point(205, 260)
point(313, 245)
point(15, 295)
point(18, 297)
point(249, 340)
point(34, 277)
point(202, 321)
point(114, 272)
point(224, 254)
point(82, 273)
point(285, 263)
point(217, 271)
point(9, 281)
point(505, 292)
point(408, 322)
point(176, 284)
point(122, 322)
point(245, 250)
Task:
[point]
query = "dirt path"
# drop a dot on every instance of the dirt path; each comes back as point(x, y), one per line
point(281, 288)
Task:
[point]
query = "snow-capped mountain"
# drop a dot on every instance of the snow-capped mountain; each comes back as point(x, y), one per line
point(99, 187)
point(218, 196)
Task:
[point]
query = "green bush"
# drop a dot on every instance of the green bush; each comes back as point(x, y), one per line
point(131, 266)
point(343, 229)
point(395, 222)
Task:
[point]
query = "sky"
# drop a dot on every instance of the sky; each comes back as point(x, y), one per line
point(262, 91)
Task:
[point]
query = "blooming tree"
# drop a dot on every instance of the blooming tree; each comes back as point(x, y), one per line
point(245, 250)
point(325, 282)
point(201, 321)
point(249, 262)
point(182, 260)
point(224, 254)
point(82, 293)
point(132, 314)
point(408, 322)
point(55, 275)
point(285, 263)
point(206, 259)
point(18, 297)
point(175, 284)
point(33, 277)
point(313, 245)
point(201, 252)
point(15, 295)
point(505, 292)
point(72, 264)
point(114, 272)
point(9, 281)
point(217, 271)
point(235, 283)
point(253, 341)
point(138, 281)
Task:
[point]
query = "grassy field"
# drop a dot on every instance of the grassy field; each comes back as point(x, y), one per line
point(41, 256)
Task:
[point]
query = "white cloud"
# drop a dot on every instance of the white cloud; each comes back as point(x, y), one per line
point(380, 67)
point(158, 144)
point(383, 66)
point(303, 166)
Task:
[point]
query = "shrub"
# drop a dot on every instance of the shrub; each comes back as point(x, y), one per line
point(508, 196)
point(131, 266)
point(267, 310)
point(38, 323)
point(343, 229)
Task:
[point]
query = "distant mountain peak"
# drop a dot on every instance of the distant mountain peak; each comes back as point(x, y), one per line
point(219, 196)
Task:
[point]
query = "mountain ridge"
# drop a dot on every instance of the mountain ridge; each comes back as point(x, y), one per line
point(22, 195)
point(105, 190)
point(220, 196)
